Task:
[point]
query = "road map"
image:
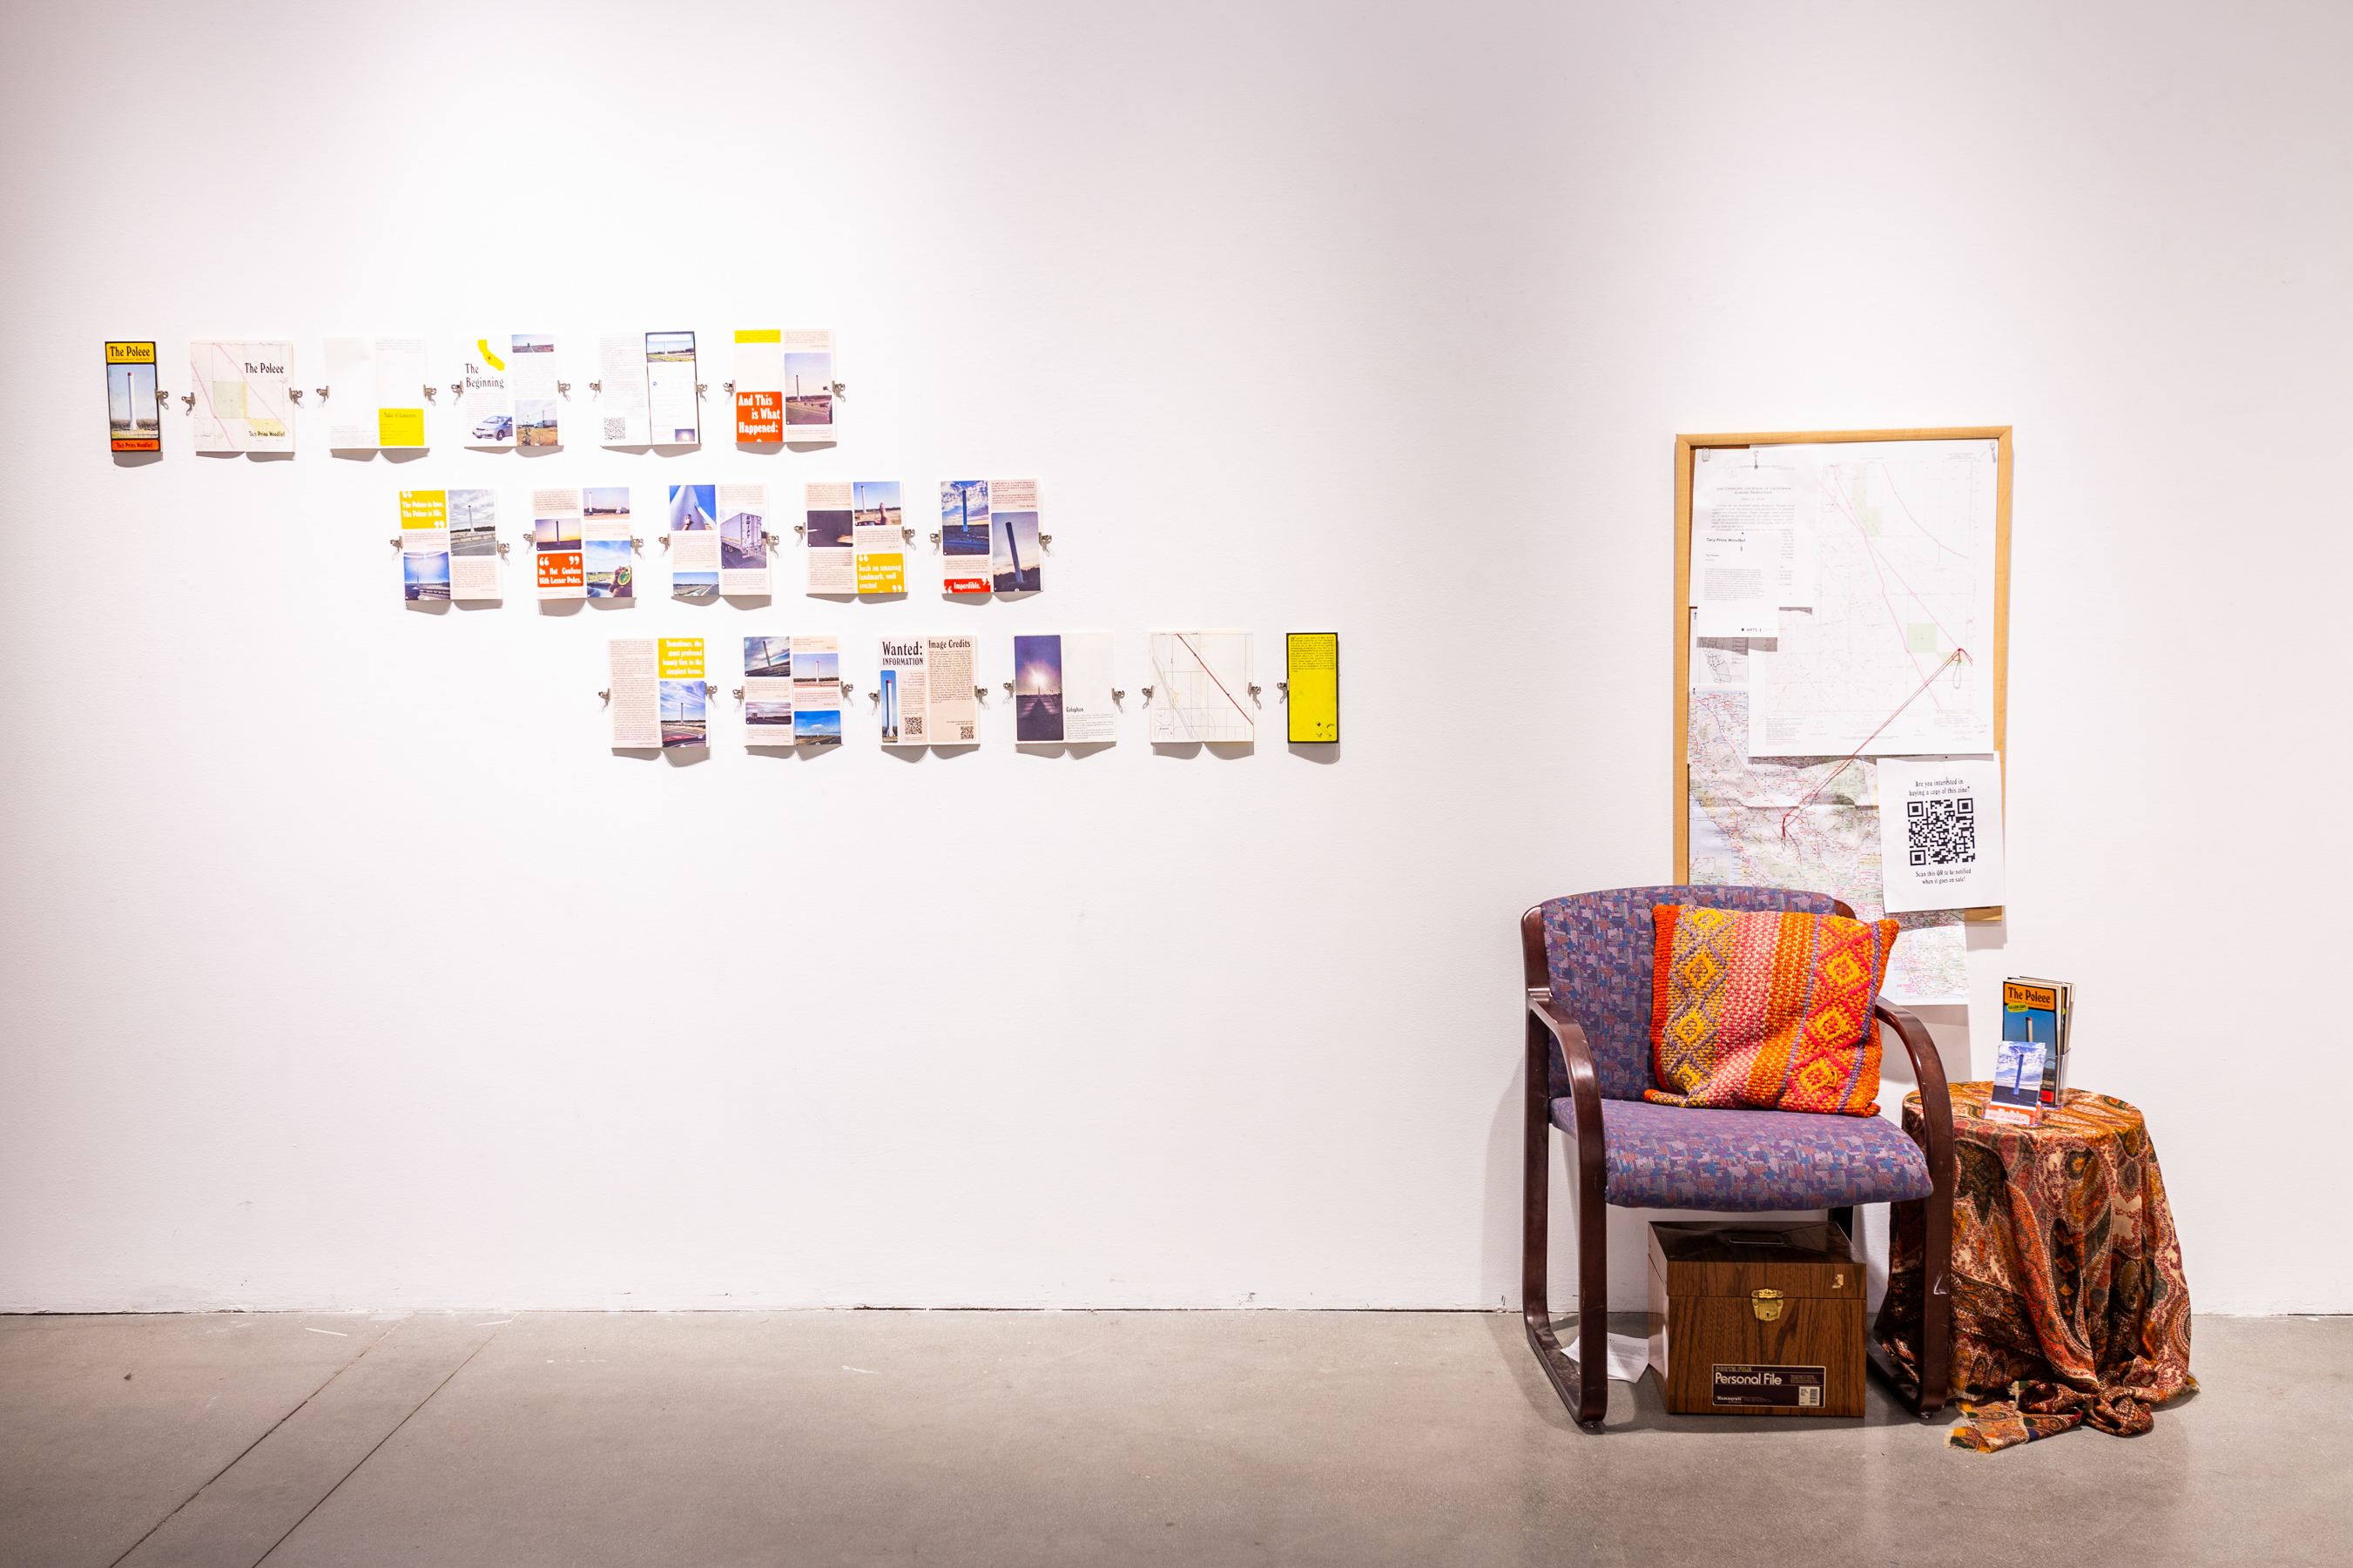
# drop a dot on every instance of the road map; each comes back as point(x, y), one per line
point(1905, 531)
point(1905, 536)
point(1831, 846)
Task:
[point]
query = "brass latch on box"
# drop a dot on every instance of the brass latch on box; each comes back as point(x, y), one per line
point(1765, 1304)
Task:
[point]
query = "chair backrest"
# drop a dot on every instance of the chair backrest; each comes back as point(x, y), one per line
point(1598, 948)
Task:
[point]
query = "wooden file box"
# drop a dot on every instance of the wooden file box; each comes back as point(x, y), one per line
point(1756, 1319)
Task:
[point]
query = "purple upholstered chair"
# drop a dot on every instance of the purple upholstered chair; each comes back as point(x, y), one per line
point(1587, 961)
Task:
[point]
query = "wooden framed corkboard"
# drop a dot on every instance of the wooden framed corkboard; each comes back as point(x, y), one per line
point(1686, 447)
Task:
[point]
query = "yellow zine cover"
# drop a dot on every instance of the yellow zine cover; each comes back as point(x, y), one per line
point(1313, 696)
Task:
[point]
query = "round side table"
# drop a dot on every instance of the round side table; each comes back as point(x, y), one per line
point(2067, 1281)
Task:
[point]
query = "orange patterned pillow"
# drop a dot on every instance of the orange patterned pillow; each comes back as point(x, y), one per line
point(1766, 1010)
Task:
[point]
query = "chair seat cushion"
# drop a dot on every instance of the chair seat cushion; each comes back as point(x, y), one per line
point(1737, 1161)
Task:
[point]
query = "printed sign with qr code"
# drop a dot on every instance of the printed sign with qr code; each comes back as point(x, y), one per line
point(1941, 832)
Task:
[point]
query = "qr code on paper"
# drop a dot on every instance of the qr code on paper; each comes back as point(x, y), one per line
point(1941, 832)
point(616, 429)
point(915, 726)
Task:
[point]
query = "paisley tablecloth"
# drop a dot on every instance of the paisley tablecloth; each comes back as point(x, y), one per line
point(2069, 1301)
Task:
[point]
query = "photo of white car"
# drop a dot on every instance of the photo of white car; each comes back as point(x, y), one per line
point(496, 427)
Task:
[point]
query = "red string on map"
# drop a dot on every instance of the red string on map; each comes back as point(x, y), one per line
point(1959, 656)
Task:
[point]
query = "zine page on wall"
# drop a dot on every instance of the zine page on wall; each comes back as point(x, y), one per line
point(685, 717)
point(1061, 690)
point(875, 520)
point(743, 541)
point(474, 544)
point(608, 551)
point(633, 693)
point(964, 537)
point(375, 393)
point(1893, 654)
point(555, 545)
point(485, 401)
point(400, 392)
point(1311, 693)
point(657, 695)
point(817, 691)
point(809, 383)
point(759, 387)
point(240, 391)
point(134, 421)
point(1013, 536)
point(953, 690)
point(1200, 688)
point(768, 692)
point(424, 544)
point(673, 410)
point(927, 696)
point(1940, 832)
point(903, 702)
point(350, 393)
point(1090, 714)
point(531, 380)
point(693, 541)
point(621, 391)
point(826, 539)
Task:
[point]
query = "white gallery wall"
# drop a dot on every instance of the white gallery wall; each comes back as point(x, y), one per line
point(341, 964)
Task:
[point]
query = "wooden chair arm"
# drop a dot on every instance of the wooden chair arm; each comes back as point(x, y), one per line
point(1936, 1097)
point(1584, 1087)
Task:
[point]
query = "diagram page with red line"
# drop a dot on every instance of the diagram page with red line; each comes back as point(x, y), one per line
point(1200, 688)
point(1902, 535)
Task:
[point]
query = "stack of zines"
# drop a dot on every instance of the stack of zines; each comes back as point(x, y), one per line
point(2030, 1072)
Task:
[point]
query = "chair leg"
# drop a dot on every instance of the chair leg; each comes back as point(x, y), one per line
point(1535, 1227)
point(1592, 1298)
point(1935, 1306)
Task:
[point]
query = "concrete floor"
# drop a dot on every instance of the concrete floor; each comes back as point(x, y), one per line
point(1029, 1439)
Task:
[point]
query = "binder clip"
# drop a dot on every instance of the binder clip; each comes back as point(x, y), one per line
point(295, 393)
point(431, 393)
point(1045, 541)
point(606, 695)
point(596, 386)
point(1253, 690)
point(701, 387)
point(846, 687)
point(935, 541)
point(1118, 694)
point(840, 389)
point(980, 693)
point(1008, 688)
point(190, 399)
point(664, 538)
point(710, 691)
point(394, 542)
point(730, 386)
point(564, 388)
point(322, 395)
point(457, 389)
point(1148, 693)
point(636, 543)
point(739, 694)
point(770, 539)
